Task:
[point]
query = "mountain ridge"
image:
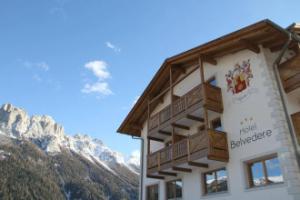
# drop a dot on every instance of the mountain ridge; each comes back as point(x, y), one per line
point(38, 160)
point(50, 137)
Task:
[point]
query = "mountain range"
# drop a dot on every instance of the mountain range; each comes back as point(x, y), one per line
point(38, 160)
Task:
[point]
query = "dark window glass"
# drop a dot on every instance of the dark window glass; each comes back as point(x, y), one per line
point(217, 124)
point(152, 192)
point(215, 181)
point(264, 172)
point(212, 81)
point(174, 190)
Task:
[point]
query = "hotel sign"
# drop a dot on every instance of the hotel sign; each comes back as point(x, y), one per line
point(249, 133)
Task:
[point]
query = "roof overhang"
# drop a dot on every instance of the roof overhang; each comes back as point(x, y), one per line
point(265, 33)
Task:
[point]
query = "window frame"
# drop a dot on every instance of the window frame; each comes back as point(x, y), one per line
point(152, 185)
point(204, 184)
point(250, 180)
point(175, 180)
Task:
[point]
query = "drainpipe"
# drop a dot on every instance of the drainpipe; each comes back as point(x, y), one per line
point(141, 166)
point(291, 36)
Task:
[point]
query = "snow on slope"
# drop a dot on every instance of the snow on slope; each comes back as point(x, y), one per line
point(50, 136)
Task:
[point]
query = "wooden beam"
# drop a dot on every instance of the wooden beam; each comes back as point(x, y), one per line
point(180, 126)
point(156, 177)
point(196, 164)
point(251, 46)
point(167, 173)
point(179, 67)
point(155, 139)
point(165, 132)
point(195, 118)
point(182, 169)
point(136, 126)
point(209, 59)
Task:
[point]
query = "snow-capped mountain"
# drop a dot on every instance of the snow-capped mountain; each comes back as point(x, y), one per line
point(50, 137)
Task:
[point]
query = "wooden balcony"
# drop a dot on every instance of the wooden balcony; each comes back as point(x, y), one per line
point(290, 73)
point(187, 106)
point(296, 122)
point(199, 149)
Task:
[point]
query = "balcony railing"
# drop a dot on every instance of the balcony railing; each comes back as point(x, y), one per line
point(211, 144)
point(210, 95)
point(290, 73)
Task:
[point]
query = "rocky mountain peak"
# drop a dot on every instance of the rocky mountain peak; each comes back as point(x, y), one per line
point(50, 137)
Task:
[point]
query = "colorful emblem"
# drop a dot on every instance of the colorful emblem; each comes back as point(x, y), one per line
point(238, 79)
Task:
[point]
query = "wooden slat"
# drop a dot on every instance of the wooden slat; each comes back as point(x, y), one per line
point(155, 177)
point(155, 139)
point(195, 118)
point(197, 164)
point(250, 45)
point(165, 132)
point(180, 126)
point(167, 173)
point(182, 169)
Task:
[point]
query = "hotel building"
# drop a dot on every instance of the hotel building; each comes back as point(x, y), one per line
point(222, 120)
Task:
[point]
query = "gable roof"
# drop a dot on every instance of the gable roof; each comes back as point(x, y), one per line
point(265, 33)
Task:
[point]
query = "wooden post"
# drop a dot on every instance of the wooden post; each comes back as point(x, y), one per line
point(202, 78)
point(171, 90)
point(148, 145)
point(188, 149)
point(172, 93)
point(201, 70)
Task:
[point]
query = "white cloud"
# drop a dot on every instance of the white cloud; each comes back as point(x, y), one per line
point(113, 47)
point(135, 158)
point(37, 77)
point(99, 69)
point(97, 87)
point(42, 65)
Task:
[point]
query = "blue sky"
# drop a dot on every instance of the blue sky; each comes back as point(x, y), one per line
point(84, 62)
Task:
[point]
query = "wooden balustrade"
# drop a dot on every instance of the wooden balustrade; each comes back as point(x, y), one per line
point(213, 142)
point(210, 95)
point(194, 96)
point(165, 114)
point(165, 155)
point(180, 149)
point(179, 105)
point(153, 160)
point(154, 121)
point(198, 142)
point(290, 73)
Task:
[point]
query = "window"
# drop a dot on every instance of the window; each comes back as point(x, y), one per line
point(216, 124)
point(174, 190)
point(264, 171)
point(152, 192)
point(212, 81)
point(215, 181)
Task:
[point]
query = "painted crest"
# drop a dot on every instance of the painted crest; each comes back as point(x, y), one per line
point(239, 78)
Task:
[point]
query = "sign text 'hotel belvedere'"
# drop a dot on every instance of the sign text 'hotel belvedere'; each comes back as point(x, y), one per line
point(249, 133)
